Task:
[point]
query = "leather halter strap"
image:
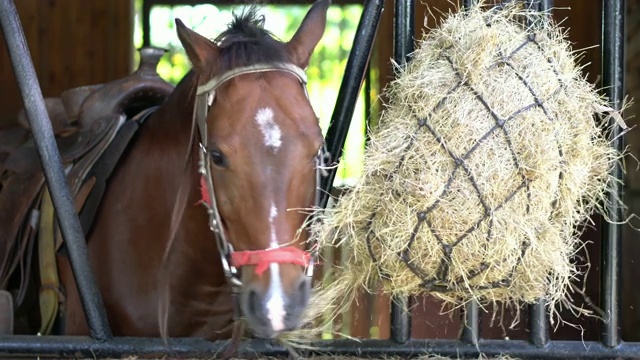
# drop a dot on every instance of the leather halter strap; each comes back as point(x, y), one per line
point(232, 260)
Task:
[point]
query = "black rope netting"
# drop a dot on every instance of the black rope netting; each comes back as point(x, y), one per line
point(438, 283)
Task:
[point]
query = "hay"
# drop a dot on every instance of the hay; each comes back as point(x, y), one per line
point(485, 166)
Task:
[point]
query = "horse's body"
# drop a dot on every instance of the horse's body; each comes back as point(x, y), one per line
point(155, 258)
point(127, 243)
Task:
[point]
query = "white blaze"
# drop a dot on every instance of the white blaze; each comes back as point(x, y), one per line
point(270, 130)
point(275, 295)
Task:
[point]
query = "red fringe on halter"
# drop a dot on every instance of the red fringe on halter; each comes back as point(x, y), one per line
point(206, 198)
point(263, 258)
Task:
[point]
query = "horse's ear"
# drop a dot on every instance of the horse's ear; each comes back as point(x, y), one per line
point(302, 44)
point(201, 51)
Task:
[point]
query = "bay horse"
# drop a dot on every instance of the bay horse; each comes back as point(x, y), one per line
point(233, 149)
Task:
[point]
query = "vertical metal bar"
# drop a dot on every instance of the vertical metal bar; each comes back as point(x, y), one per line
point(469, 3)
point(349, 90)
point(613, 13)
point(400, 319)
point(146, 23)
point(546, 5)
point(367, 104)
point(538, 321)
point(540, 5)
point(404, 30)
point(471, 326)
point(539, 324)
point(47, 148)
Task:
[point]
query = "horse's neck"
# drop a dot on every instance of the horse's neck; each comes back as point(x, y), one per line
point(171, 123)
point(171, 163)
point(167, 143)
point(170, 134)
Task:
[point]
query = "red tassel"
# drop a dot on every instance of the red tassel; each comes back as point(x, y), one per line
point(204, 191)
point(262, 258)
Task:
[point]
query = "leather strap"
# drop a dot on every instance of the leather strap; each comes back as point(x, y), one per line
point(49, 281)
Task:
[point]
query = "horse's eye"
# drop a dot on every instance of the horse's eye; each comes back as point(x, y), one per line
point(217, 157)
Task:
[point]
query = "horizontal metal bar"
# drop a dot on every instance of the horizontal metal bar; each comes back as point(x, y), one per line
point(57, 346)
point(245, 2)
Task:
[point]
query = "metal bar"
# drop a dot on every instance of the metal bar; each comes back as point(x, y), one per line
point(404, 30)
point(546, 5)
point(613, 12)
point(469, 3)
point(400, 320)
point(471, 326)
point(538, 321)
point(46, 146)
point(121, 347)
point(146, 22)
point(349, 90)
point(245, 2)
point(367, 104)
point(539, 324)
point(540, 5)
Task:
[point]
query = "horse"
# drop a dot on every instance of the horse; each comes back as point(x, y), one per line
point(204, 218)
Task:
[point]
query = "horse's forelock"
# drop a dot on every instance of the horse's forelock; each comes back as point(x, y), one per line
point(246, 42)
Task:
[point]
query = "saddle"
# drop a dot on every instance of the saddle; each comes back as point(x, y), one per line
point(93, 126)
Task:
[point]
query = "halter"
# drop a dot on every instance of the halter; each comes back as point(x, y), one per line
point(233, 260)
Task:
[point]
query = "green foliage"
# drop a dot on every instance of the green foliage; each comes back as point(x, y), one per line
point(325, 70)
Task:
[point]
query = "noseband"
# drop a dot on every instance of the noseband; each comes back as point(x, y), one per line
point(233, 260)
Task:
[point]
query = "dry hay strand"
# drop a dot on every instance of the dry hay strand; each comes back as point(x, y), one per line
point(486, 164)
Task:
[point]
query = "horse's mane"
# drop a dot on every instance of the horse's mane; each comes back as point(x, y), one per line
point(246, 42)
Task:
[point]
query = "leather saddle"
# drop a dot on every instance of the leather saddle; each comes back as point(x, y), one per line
point(92, 125)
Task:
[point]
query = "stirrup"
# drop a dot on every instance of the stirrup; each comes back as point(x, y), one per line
point(6, 313)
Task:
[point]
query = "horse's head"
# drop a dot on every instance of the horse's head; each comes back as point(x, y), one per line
point(259, 139)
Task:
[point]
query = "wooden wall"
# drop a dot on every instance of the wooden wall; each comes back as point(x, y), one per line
point(72, 43)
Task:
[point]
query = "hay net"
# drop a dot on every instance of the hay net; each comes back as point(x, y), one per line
point(489, 156)
point(506, 100)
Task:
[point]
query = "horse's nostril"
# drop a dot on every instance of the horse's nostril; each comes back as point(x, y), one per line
point(303, 287)
point(301, 296)
point(253, 302)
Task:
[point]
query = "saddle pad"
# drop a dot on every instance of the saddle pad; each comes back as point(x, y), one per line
point(16, 200)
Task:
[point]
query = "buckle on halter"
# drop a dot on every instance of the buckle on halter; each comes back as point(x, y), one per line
point(309, 270)
point(230, 271)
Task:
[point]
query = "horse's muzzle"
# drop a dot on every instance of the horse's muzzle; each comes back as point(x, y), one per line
point(272, 310)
